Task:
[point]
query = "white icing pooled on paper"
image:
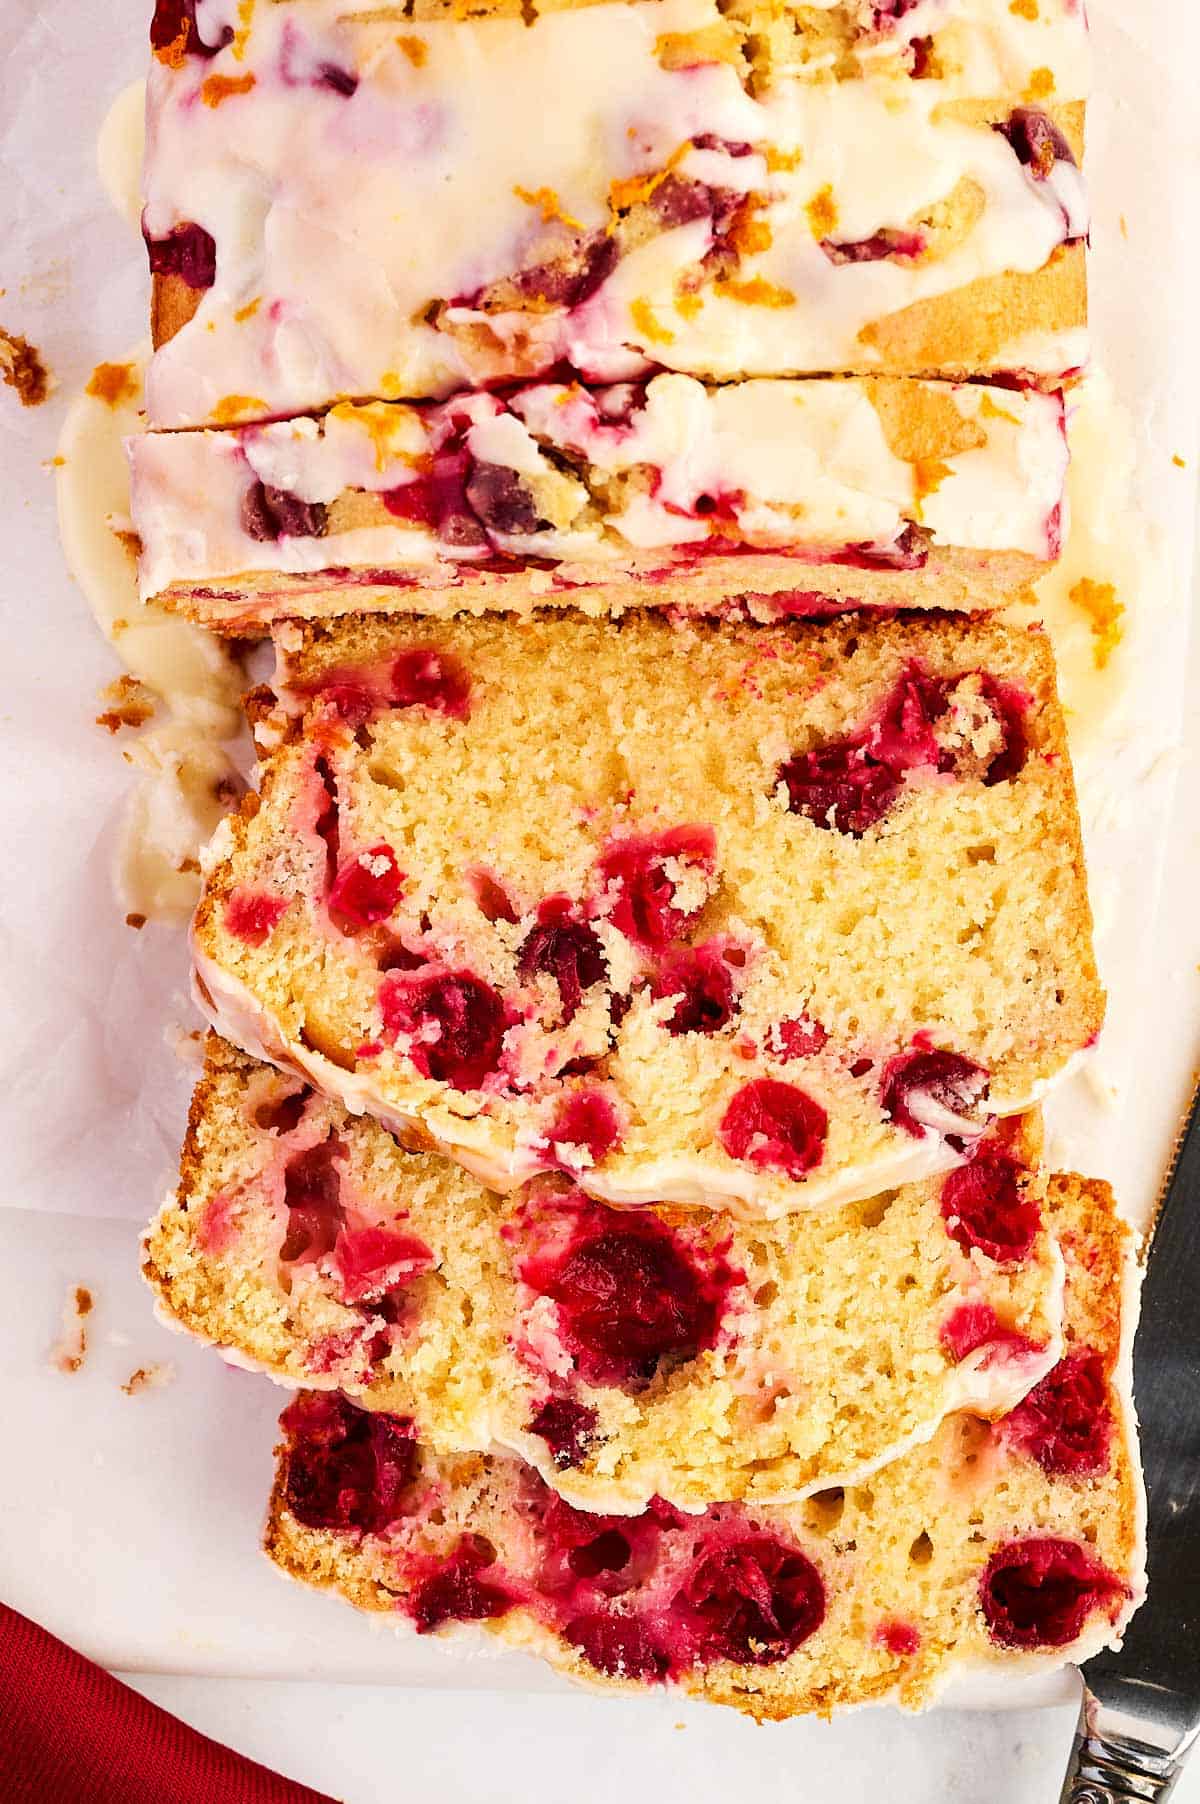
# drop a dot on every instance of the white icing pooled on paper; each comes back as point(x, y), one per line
point(798, 465)
point(185, 775)
point(339, 218)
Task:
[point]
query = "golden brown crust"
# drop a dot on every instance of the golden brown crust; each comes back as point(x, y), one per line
point(248, 605)
point(173, 302)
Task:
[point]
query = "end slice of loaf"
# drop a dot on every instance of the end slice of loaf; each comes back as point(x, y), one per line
point(1011, 1546)
point(623, 1354)
point(696, 196)
point(757, 918)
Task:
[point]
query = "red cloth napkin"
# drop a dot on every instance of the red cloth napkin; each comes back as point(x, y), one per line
point(72, 1734)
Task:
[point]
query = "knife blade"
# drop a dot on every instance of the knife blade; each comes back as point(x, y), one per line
point(1141, 1704)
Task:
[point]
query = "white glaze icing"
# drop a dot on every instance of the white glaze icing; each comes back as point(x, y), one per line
point(185, 777)
point(800, 467)
point(340, 218)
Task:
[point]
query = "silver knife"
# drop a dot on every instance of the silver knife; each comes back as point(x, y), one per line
point(1141, 1705)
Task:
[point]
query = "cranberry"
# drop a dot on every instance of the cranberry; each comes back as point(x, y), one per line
point(491, 898)
point(568, 1429)
point(618, 1645)
point(898, 1637)
point(252, 915)
point(342, 81)
point(270, 514)
point(774, 1126)
point(839, 786)
point(984, 1206)
point(753, 1600)
point(975, 1325)
point(370, 1261)
point(368, 887)
point(457, 1022)
point(799, 1037)
point(587, 1119)
point(457, 1591)
point(282, 1114)
point(1036, 141)
point(188, 252)
point(1065, 1423)
point(938, 1091)
point(629, 1295)
point(703, 982)
point(346, 1468)
point(173, 29)
point(411, 501)
point(645, 905)
point(501, 500)
point(880, 245)
point(312, 1196)
point(573, 279)
point(565, 948)
point(852, 783)
point(1039, 1592)
point(425, 677)
point(1010, 705)
point(676, 200)
point(350, 699)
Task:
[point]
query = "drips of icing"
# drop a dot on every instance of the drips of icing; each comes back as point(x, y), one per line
point(799, 466)
point(119, 150)
point(1106, 541)
point(435, 147)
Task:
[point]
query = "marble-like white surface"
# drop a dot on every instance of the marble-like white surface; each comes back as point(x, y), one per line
point(370, 1745)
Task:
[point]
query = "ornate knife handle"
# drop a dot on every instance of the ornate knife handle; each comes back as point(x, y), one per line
point(1111, 1764)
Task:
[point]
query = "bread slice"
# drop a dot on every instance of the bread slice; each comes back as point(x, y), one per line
point(1012, 1546)
point(347, 204)
point(761, 918)
point(623, 1355)
point(770, 498)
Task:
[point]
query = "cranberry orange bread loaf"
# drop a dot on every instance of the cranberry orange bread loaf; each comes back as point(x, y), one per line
point(773, 496)
point(755, 917)
point(623, 1353)
point(1013, 1545)
point(348, 204)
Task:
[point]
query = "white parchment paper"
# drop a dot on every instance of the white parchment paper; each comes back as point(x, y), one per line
point(92, 1090)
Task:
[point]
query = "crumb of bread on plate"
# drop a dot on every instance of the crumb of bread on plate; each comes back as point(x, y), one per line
point(70, 1350)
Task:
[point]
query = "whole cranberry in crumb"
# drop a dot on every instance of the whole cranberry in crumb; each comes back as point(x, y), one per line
point(702, 980)
point(568, 1429)
point(934, 1091)
point(346, 1469)
point(775, 1126)
point(368, 887)
point(658, 883)
point(425, 677)
point(587, 1122)
point(253, 915)
point(985, 1205)
point(1039, 1592)
point(629, 1295)
point(457, 1023)
point(618, 1645)
point(753, 1600)
point(458, 1590)
point(1065, 1423)
point(562, 946)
